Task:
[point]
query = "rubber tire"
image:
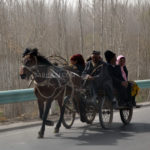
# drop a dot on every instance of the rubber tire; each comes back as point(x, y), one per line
point(64, 122)
point(90, 121)
point(102, 101)
point(123, 119)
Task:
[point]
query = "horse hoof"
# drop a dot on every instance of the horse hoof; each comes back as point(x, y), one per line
point(56, 130)
point(40, 135)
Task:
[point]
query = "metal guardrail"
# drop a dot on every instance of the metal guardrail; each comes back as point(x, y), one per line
point(22, 95)
point(143, 83)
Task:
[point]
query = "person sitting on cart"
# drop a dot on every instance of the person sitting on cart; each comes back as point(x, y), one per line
point(132, 86)
point(77, 63)
point(96, 77)
point(119, 82)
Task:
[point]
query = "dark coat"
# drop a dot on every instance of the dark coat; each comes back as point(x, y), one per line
point(115, 73)
point(92, 70)
point(99, 73)
point(80, 68)
point(126, 71)
point(102, 79)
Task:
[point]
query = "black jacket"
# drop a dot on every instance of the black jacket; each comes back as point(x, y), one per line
point(116, 75)
point(99, 73)
point(126, 71)
point(80, 68)
point(92, 70)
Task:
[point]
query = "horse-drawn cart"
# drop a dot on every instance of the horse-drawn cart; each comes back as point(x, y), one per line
point(53, 82)
point(103, 108)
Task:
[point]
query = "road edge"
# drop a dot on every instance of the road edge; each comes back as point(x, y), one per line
point(24, 125)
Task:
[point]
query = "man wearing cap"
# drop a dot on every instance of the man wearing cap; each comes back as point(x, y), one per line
point(118, 81)
point(93, 66)
point(97, 76)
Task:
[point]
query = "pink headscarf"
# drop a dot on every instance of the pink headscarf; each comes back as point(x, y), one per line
point(118, 59)
point(122, 70)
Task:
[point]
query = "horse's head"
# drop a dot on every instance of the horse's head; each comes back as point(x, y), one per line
point(29, 61)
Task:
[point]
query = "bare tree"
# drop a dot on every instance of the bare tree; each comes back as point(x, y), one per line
point(93, 11)
point(81, 26)
point(59, 27)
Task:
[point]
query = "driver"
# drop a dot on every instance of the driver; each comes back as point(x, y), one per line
point(97, 77)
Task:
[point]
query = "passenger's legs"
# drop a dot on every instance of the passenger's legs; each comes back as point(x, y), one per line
point(108, 88)
point(131, 99)
point(123, 95)
point(93, 90)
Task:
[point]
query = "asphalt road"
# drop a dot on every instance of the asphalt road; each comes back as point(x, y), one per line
point(135, 136)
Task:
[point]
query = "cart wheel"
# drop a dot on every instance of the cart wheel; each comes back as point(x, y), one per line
point(105, 112)
point(69, 113)
point(126, 115)
point(90, 114)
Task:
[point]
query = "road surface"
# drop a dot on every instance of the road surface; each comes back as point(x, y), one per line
point(81, 136)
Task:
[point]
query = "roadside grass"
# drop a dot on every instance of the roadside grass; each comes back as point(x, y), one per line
point(2, 118)
point(142, 96)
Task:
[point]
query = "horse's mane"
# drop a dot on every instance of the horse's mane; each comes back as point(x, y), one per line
point(43, 60)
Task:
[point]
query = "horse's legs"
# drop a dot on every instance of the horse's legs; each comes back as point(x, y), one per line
point(41, 132)
point(41, 108)
point(62, 110)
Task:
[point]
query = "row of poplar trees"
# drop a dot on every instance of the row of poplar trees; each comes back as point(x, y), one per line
point(66, 27)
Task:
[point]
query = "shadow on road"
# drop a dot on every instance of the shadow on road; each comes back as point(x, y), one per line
point(95, 135)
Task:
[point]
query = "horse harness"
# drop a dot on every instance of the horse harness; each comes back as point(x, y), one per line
point(45, 83)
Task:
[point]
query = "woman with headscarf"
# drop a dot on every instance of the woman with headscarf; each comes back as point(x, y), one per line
point(77, 63)
point(121, 60)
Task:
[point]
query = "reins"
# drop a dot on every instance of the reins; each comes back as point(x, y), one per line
point(96, 69)
point(92, 73)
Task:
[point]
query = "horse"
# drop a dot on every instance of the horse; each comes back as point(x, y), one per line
point(50, 83)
